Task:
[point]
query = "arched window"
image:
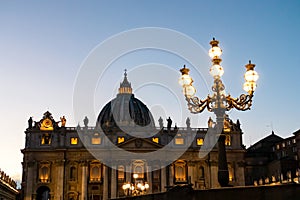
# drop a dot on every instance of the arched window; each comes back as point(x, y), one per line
point(138, 168)
point(95, 172)
point(228, 140)
point(121, 173)
point(44, 174)
point(43, 193)
point(180, 172)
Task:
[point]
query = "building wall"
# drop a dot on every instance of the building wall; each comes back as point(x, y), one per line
point(57, 164)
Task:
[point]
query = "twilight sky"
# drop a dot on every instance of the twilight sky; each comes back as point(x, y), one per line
point(43, 46)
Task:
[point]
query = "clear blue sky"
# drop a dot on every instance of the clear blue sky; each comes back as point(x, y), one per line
point(43, 44)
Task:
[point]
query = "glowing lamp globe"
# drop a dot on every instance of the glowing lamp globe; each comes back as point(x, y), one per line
point(189, 91)
point(251, 76)
point(185, 79)
point(216, 71)
point(215, 52)
point(249, 86)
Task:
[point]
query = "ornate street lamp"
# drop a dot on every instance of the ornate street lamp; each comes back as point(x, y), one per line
point(219, 103)
point(137, 188)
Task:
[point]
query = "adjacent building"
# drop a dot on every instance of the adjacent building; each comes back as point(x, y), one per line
point(8, 187)
point(273, 160)
point(105, 161)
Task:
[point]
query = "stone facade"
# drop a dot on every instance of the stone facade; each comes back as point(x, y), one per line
point(63, 162)
point(8, 187)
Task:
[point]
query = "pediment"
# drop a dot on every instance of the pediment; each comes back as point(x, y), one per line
point(140, 144)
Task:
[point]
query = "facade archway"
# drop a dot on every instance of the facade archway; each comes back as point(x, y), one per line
point(43, 193)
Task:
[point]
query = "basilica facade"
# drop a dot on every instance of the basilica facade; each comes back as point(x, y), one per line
point(124, 153)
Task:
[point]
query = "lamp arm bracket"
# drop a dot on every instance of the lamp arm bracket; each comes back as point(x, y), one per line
point(196, 105)
point(244, 102)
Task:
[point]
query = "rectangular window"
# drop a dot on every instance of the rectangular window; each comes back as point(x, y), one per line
point(121, 173)
point(283, 144)
point(294, 149)
point(121, 139)
point(179, 140)
point(228, 140)
point(155, 139)
point(74, 140)
point(277, 146)
point(46, 139)
point(199, 141)
point(96, 140)
point(294, 141)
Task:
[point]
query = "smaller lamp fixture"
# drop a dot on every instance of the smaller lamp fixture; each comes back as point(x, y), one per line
point(139, 187)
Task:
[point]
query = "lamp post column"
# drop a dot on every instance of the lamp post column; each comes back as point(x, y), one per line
point(223, 174)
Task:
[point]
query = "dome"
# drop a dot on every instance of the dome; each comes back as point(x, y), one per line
point(125, 110)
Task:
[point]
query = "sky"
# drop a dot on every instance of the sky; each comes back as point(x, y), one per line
point(44, 45)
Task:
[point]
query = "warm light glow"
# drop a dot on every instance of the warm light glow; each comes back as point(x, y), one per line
point(46, 125)
point(179, 141)
point(199, 141)
point(215, 51)
point(249, 86)
point(139, 185)
point(135, 175)
point(142, 188)
point(121, 139)
point(74, 140)
point(146, 185)
point(155, 139)
point(216, 71)
point(96, 140)
point(124, 187)
point(189, 91)
point(251, 75)
point(185, 79)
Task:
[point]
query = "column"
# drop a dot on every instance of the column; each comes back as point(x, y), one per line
point(191, 174)
point(59, 193)
point(84, 181)
point(128, 174)
point(171, 175)
point(29, 181)
point(163, 179)
point(149, 179)
point(105, 183)
point(113, 192)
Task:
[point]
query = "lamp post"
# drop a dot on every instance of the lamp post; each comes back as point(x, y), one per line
point(219, 103)
point(139, 187)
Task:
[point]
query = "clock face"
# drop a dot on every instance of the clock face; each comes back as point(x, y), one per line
point(46, 125)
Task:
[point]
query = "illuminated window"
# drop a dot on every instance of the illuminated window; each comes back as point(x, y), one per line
point(138, 168)
point(199, 141)
point(96, 139)
point(155, 139)
point(283, 144)
point(121, 139)
point(180, 172)
point(179, 140)
point(44, 173)
point(294, 141)
point(74, 140)
point(228, 140)
point(121, 173)
point(289, 142)
point(277, 146)
point(46, 139)
point(95, 172)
